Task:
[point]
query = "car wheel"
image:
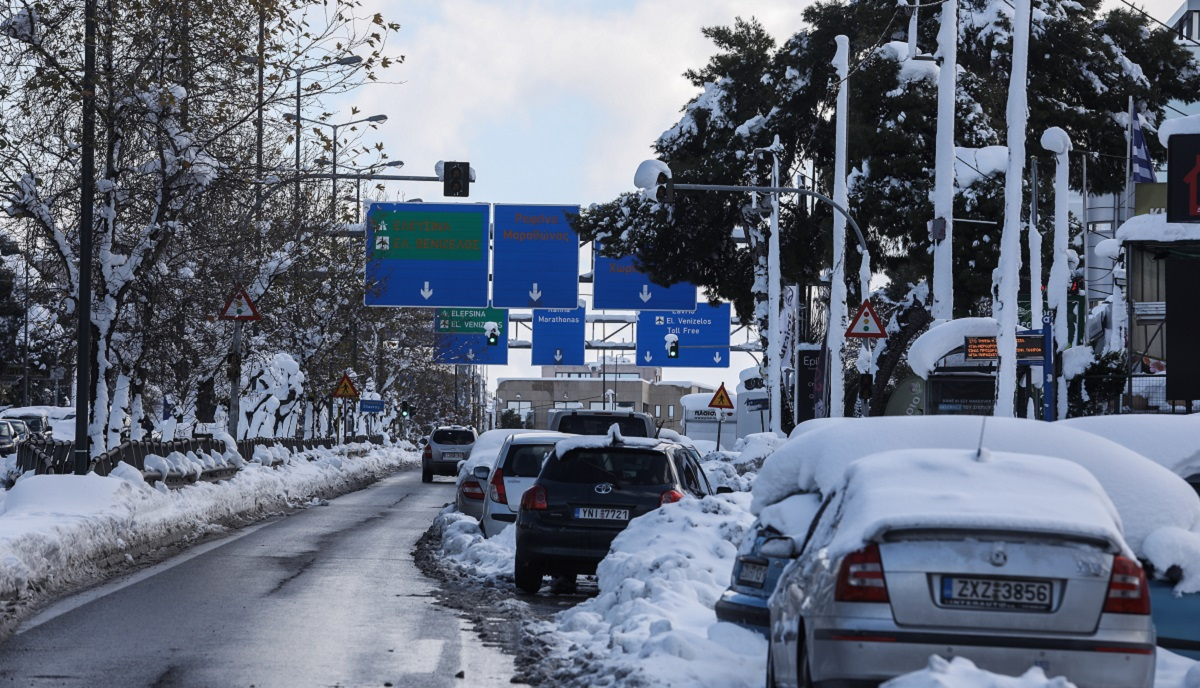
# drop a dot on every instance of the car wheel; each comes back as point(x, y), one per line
point(527, 576)
point(426, 474)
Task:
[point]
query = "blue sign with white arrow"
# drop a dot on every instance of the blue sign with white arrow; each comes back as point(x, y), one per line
point(558, 337)
point(535, 260)
point(618, 285)
point(461, 336)
point(427, 254)
point(701, 337)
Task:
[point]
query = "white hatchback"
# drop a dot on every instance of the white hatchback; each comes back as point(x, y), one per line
point(517, 465)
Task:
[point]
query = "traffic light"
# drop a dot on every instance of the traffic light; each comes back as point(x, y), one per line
point(664, 189)
point(493, 338)
point(404, 411)
point(456, 179)
point(673, 349)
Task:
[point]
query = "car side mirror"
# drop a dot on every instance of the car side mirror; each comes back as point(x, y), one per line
point(778, 548)
point(481, 472)
point(724, 489)
point(423, 441)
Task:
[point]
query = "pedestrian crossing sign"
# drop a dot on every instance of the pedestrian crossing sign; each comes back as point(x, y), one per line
point(721, 399)
point(345, 389)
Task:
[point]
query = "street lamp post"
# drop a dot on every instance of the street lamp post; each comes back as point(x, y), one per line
point(374, 119)
point(299, 72)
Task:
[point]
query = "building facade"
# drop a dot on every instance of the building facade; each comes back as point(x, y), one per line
point(614, 383)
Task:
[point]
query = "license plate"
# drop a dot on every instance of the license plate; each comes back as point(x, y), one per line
point(451, 455)
point(991, 593)
point(752, 574)
point(602, 514)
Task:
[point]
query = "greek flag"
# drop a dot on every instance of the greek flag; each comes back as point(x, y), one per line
point(1143, 168)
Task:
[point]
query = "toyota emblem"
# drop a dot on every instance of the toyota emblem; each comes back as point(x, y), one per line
point(604, 488)
point(999, 558)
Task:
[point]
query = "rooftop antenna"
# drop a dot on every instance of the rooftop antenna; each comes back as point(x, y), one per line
point(979, 450)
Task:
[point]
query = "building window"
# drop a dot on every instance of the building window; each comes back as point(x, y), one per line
point(657, 410)
point(573, 376)
point(671, 411)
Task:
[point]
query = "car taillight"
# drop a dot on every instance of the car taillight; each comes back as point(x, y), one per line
point(1127, 589)
point(534, 498)
point(428, 453)
point(670, 497)
point(861, 577)
point(497, 488)
point(472, 490)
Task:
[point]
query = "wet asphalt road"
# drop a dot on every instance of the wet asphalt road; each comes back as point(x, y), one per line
point(328, 596)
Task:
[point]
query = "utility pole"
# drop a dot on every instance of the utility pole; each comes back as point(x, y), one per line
point(87, 193)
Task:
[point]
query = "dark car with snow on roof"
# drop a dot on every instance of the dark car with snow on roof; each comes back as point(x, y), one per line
point(588, 490)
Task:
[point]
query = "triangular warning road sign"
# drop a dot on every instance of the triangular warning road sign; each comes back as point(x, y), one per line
point(239, 306)
point(866, 324)
point(721, 399)
point(345, 389)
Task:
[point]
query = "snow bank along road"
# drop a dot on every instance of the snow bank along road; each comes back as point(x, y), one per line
point(326, 596)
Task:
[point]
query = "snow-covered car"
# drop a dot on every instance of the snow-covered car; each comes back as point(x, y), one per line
point(1148, 497)
point(469, 490)
point(1010, 560)
point(445, 450)
point(8, 439)
point(516, 466)
point(37, 422)
point(1170, 441)
point(589, 489)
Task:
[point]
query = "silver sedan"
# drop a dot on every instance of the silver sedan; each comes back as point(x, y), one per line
point(1011, 561)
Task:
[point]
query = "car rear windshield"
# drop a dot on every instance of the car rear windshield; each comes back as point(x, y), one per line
point(34, 423)
point(5, 430)
point(599, 425)
point(525, 460)
point(454, 437)
point(609, 465)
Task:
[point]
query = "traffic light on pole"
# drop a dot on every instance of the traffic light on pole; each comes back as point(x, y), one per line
point(456, 179)
point(673, 349)
point(492, 338)
point(664, 189)
point(404, 410)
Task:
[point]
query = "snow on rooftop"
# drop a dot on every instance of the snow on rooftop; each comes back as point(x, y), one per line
point(940, 340)
point(955, 488)
point(1147, 496)
point(1154, 227)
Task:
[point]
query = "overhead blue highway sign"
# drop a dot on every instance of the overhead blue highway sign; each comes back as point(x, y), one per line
point(461, 336)
point(535, 261)
point(702, 336)
point(558, 337)
point(427, 254)
point(618, 285)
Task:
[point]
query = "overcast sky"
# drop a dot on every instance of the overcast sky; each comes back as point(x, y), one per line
point(552, 101)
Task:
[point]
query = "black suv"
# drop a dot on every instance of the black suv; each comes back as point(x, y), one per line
point(587, 493)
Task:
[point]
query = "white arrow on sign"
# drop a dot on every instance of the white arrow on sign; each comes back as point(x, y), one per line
point(426, 292)
point(558, 355)
point(470, 354)
point(645, 295)
point(648, 357)
point(717, 357)
point(534, 293)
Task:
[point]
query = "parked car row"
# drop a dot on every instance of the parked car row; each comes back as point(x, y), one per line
point(880, 542)
point(20, 426)
point(569, 493)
